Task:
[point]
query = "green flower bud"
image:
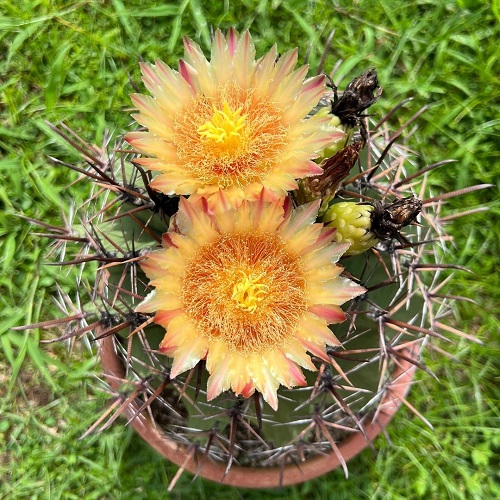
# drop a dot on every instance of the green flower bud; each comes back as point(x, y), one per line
point(334, 125)
point(353, 222)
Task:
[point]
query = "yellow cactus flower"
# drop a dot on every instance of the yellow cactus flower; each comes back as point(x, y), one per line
point(232, 123)
point(251, 290)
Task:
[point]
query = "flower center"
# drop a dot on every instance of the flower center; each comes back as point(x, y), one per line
point(232, 139)
point(248, 292)
point(245, 290)
point(225, 127)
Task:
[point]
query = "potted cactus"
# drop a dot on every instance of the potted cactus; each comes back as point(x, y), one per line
point(268, 266)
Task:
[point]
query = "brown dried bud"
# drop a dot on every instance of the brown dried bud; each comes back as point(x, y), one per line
point(388, 220)
point(359, 95)
point(335, 170)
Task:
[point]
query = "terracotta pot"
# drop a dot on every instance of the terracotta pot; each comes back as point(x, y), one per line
point(247, 477)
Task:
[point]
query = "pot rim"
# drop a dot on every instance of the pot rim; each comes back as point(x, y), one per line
point(254, 477)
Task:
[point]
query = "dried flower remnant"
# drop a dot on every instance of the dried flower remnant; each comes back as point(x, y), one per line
point(252, 290)
point(389, 219)
point(335, 170)
point(346, 112)
point(358, 96)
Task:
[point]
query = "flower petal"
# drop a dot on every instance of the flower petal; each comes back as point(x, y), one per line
point(264, 380)
point(315, 330)
point(188, 356)
point(243, 60)
point(180, 331)
point(329, 312)
point(335, 291)
point(303, 216)
point(285, 370)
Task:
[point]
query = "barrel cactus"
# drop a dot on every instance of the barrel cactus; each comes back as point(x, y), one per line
point(266, 255)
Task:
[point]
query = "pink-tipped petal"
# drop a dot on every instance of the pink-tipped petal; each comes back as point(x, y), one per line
point(219, 380)
point(315, 330)
point(285, 91)
point(301, 241)
point(296, 352)
point(248, 390)
point(232, 40)
point(336, 292)
point(286, 371)
point(180, 331)
point(164, 318)
point(189, 74)
point(303, 216)
point(244, 61)
point(265, 382)
point(306, 169)
point(316, 350)
point(264, 70)
point(195, 57)
point(327, 255)
point(312, 91)
point(286, 63)
point(195, 220)
point(221, 62)
point(329, 312)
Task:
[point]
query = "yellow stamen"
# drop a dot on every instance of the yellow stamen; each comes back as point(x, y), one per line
point(248, 292)
point(225, 126)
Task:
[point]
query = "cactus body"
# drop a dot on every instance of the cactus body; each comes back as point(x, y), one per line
point(347, 380)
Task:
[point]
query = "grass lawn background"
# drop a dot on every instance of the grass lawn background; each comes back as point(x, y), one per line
point(71, 61)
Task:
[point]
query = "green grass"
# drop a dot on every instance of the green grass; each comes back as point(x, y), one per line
point(70, 61)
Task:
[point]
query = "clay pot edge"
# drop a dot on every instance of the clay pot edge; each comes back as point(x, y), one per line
point(253, 477)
